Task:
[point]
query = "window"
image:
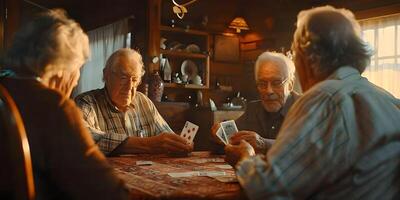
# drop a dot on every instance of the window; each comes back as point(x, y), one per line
point(103, 42)
point(383, 34)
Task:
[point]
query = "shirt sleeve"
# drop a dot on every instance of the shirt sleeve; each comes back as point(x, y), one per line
point(311, 142)
point(76, 163)
point(107, 142)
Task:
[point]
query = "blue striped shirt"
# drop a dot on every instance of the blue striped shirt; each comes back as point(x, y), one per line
point(340, 140)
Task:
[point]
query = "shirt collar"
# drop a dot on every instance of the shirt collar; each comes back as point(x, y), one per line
point(345, 72)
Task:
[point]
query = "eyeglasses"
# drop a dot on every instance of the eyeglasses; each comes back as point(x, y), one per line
point(125, 79)
point(275, 84)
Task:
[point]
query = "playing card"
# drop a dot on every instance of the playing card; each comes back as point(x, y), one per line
point(216, 160)
point(229, 128)
point(183, 174)
point(144, 162)
point(212, 173)
point(226, 179)
point(221, 135)
point(189, 131)
point(224, 166)
point(208, 160)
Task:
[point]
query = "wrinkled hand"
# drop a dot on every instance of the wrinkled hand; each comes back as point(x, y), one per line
point(214, 130)
point(171, 143)
point(235, 153)
point(64, 82)
point(256, 141)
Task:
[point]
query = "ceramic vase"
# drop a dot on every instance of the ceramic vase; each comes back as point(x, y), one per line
point(156, 87)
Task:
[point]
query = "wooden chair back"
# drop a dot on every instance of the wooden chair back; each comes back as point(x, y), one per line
point(16, 172)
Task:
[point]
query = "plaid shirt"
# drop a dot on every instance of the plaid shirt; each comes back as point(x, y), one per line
point(110, 127)
point(340, 140)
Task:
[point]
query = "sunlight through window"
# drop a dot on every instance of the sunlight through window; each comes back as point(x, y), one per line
point(383, 34)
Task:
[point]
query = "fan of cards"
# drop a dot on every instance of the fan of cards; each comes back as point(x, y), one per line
point(189, 131)
point(226, 130)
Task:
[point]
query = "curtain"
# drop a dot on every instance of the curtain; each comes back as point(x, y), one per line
point(103, 42)
point(383, 34)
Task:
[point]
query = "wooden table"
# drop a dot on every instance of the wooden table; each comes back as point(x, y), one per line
point(153, 181)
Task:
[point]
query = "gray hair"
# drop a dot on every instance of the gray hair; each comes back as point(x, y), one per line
point(328, 38)
point(50, 42)
point(124, 52)
point(276, 58)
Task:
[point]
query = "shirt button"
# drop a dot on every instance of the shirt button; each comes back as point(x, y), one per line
point(273, 127)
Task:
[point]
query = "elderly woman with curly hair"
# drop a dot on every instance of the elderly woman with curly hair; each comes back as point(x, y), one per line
point(41, 69)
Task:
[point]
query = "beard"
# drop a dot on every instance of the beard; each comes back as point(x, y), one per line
point(271, 102)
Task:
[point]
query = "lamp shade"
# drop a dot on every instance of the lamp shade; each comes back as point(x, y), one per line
point(239, 24)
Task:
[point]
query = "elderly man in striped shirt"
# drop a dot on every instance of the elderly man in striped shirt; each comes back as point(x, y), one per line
point(123, 120)
point(341, 139)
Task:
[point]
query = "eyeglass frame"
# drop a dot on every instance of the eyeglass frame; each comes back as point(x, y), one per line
point(123, 78)
point(278, 84)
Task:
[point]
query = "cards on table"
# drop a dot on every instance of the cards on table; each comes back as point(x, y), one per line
point(196, 173)
point(189, 131)
point(182, 174)
point(226, 130)
point(207, 160)
point(225, 166)
point(226, 179)
point(144, 162)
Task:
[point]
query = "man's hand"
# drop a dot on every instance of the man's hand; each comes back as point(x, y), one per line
point(260, 144)
point(170, 143)
point(236, 153)
point(214, 130)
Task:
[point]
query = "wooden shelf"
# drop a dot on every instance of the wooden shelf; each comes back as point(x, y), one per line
point(182, 54)
point(188, 86)
point(175, 57)
point(181, 30)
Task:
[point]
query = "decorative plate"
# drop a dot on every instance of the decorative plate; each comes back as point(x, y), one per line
point(190, 69)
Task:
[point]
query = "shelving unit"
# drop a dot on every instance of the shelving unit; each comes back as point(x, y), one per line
point(177, 56)
point(181, 30)
point(183, 54)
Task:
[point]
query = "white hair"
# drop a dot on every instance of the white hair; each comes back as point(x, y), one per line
point(125, 52)
point(50, 42)
point(328, 38)
point(276, 58)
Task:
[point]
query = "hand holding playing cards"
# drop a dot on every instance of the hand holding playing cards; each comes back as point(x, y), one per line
point(224, 131)
point(260, 144)
point(214, 130)
point(171, 143)
point(235, 153)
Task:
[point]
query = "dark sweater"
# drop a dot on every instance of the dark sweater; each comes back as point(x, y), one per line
point(67, 163)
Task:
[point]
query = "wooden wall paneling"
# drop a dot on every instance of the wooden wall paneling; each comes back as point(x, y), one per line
point(12, 21)
point(378, 12)
point(153, 28)
point(2, 23)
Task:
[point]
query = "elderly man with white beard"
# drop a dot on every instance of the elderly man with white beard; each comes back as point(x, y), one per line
point(259, 125)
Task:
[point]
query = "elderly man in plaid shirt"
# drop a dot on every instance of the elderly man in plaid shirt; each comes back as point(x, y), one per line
point(123, 120)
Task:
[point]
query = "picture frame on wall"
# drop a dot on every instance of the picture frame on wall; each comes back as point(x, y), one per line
point(226, 48)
